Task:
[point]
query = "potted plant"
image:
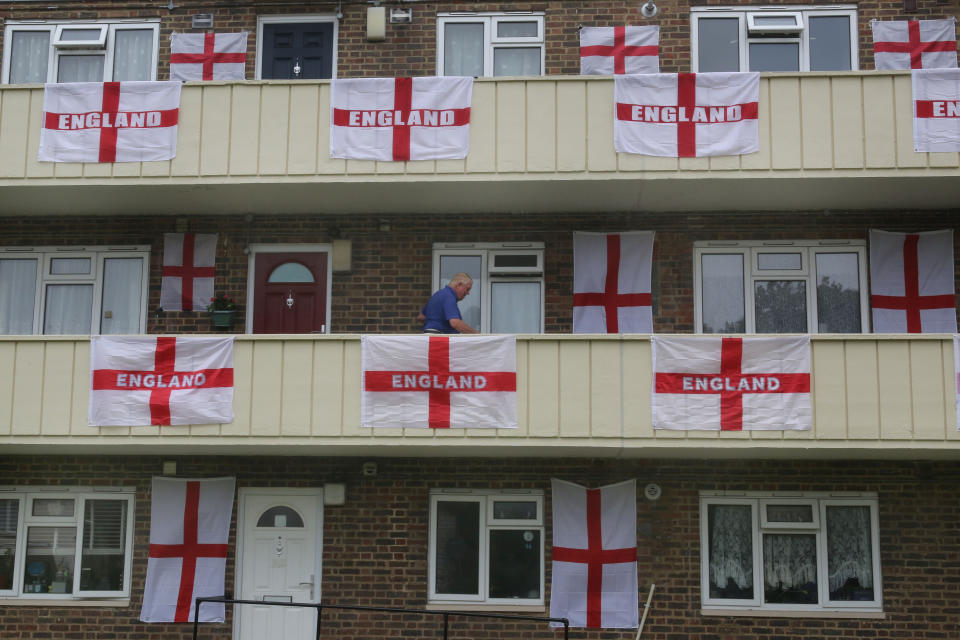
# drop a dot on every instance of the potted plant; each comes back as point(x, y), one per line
point(222, 308)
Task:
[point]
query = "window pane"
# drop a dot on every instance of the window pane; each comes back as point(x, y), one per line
point(775, 21)
point(48, 567)
point(463, 49)
point(29, 55)
point(291, 272)
point(104, 543)
point(511, 29)
point(722, 292)
point(122, 280)
point(718, 44)
point(849, 553)
point(838, 293)
point(69, 266)
point(789, 513)
point(458, 548)
point(515, 307)
point(515, 563)
point(514, 510)
point(779, 261)
point(516, 61)
point(830, 43)
point(789, 568)
point(281, 518)
point(780, 305)
point(18, 293)
point(472, 266)
point(80, 34)
point(80, 69)
point(730, 532)
point(68, 309)
point(774, 56)
point(133, 54)
point(53, 507)
point(8, 540)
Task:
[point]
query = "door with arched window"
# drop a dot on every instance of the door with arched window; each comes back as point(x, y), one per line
point(290, 292)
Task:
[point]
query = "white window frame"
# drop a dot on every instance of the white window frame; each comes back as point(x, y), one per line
point(484, 499)
point(491, 41)
point(282, 19)
point(756, 501)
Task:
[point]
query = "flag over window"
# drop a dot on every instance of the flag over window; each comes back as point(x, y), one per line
point(936, 110)
point(208, 56)
point(914, 44)
point(619, 50)
point(611, 282)
point(188, 268)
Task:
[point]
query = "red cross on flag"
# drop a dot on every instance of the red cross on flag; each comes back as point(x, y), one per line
point(618, 50)
point(399, 119)
point(157, 380)
point(186, 282)
point(109, 121)
point(189, 527)
point(611, 282)
point(439, 382)
point(911, 282)
point(936, 110)
point(594, 581)
point(731, 384)
point(208, 56)
point(914, 44)
point(687, 114)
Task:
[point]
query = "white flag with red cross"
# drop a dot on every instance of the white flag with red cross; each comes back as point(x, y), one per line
point(911, 282)
point(936, 110)
point(619, 50)
point(158, 380)
point(731, 384)
point(399, 119)
point(439, 382)
point(109, 121)
point(594, 578)
point(189, 528)
point(208, 56)
point(914, 44)
point(611, 282)
point(687, 114)
point(186, 282)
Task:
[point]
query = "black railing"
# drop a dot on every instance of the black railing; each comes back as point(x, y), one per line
point(343, 607)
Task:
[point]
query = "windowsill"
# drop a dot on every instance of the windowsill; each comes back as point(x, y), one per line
point(466, 606)
point(772, 613)
point(63, 602)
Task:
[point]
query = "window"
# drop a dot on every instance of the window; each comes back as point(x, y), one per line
point(774, 39)
point(46, 51)
point(73, 290)
point(65, 543)
point(486, 44)
point(809, 553)
point(507, 294)
point(780, 287)
point(486, 547)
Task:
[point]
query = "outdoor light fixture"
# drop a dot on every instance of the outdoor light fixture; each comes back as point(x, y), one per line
point(649, 10)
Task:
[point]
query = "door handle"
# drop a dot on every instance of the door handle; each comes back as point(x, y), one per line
point(310, 584)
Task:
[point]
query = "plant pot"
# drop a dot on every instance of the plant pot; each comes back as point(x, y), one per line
point(222, 319)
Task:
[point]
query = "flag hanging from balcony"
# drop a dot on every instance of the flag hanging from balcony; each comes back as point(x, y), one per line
point(619, 50)
point(611, 282)
point(731, 384)
point(914, 44)
point(189, 528)
point(911, 282)
point(936, 110)
point(687, 114)
point(399, 119)
point(594, 581)
point(439, 382)
point(208, 56)
point(109, 121)
point(156, 380)
point(186, 282)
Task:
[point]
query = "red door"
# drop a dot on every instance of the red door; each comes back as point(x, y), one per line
point(290, 292)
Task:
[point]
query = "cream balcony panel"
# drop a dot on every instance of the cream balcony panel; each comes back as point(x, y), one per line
point(571, 133)
point(14, 132)
point(606, 382)
point(929, 395)
point(243, 371)
point(483, 129)
point(830, 399)
point(847, 124)
point(879, 122)
point(189, 134)
point(863, 390)
point(58, 379)
point(215, 123)
point(511, 126)
point(785, 123)
point(27, 392)
point(244, 141)
point(760, 160)
point(896, 419)
point(903, 105)
point(542, 415)
point(815, 124)
point(600, 153)
point(297, 389)
point(266, 407)
point(304, 129)
point(326, 410)
point(325, 164)
point(576, 392)
point(637, 385)
point(274, 129)
point(542, 130)
point(8, 373)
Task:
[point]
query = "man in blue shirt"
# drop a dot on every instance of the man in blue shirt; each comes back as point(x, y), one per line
point(441, 313)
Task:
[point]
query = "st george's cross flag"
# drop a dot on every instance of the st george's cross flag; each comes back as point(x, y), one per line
point(911, 282)
point(687, 114)
point(186, 282)
point(159, 380)
point(594, 581)
point(731, 384)
point(189, 528)
point(936, 110)
point(208, 56)
point(109, 121)
point(439, 382)
point(399, 119)
point(619, 50)
point(914, 44)
point(611, 282)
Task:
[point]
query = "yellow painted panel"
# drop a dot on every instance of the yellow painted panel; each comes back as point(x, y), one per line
point(943, 160)
point(245, 130)
point(97, 169)
point(416, 166)
point(893, 373)
point(574, 372)
point(785, 137)
point(483, 126)
point(28, 389)
point(297, 388)
point(542, 389)
point(878, 114)
point(57, 387)
point(304, 107)
point(274, 129)
point(693, 164)
point(761, 159)
point(351, 393)
point(14, 133)
point(724, 163)
point(903, 104)
point(863, 400)
point(511, 127)
point(214, 151)
point(928, 388)
point(829, 389)
point(267, 389)
point(80, 398)
point(815, 123)
point(36, 169)
point(847, 109)
point(326, 164)
point(8, 376)
point(523, 396)
point(328, 383)
point(190, 135)
point(950, 385)
point(606, 385)
point(637, 386)
point(640, 162)
point(242, 388)
point(542, 130)
point(571, 132)
point(600, 152)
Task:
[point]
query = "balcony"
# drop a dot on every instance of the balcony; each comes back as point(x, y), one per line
point(883, 397)
point(827, 141)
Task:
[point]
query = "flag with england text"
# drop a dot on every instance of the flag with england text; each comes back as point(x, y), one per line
point(911, 282)
point(731, 384)
point(208, 56)
point(936, 110)
point(159, 380)
point(914, 44)
point(686, 114)
point(439, 382)
point(109, 121)
point(611, 282)
point(186, 282)
point(619, 50)
point(400, 119)
point(189, 528)
point(594, 577)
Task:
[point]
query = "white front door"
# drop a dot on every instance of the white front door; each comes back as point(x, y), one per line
point(279, 561)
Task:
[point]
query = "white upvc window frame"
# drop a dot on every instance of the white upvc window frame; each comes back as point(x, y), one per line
point(491, 41)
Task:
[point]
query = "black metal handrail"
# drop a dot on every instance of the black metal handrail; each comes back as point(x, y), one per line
point(320, 607)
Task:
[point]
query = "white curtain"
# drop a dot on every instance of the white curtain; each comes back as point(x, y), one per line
point(122, 278)
point(731, 548)
point(18, 286)
point(790, 567)
point(516, 61)
point(463, 49)
point(80, 68)
point(68, 309)
point(132, 54)
point(849, 552)
point(29, 54)
point(515, 307)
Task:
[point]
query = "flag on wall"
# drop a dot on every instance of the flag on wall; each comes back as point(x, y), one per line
point(109, 121)
point(400, 119)
point(189, 528)
point(936, 110)
point(687, 114)
point(208, 56)
point(188, 268)
point(911, 282)
point(731, 384)
point(594, 581)
point(156, 380)
point(611, 282)
point(619, 50)
point(914, 44)
point(439, 381)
